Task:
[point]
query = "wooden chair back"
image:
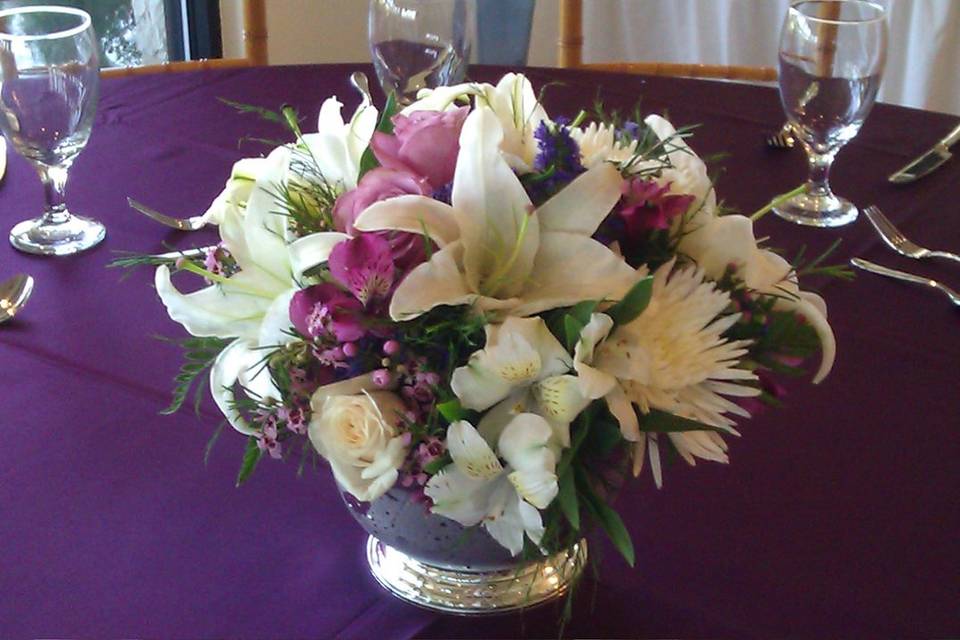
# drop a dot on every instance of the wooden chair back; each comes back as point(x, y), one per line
point(254, 48)
point(570, 55)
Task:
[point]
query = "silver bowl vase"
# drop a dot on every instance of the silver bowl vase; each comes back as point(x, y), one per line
point(436, 563)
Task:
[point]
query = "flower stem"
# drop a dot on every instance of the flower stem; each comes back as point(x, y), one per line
point(783, 197)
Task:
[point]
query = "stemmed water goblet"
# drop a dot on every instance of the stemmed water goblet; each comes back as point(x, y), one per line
point(832, 54)
point(49, 85)
point(418, 44)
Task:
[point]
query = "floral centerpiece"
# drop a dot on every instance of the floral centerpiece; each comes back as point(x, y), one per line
point(494, 313)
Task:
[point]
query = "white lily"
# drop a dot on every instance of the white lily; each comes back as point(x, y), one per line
point(729, 240)
point(337, 147)
point(478, 488)
point(521, 369)
point(514, 103)
point(497, 252)
point(240, 184)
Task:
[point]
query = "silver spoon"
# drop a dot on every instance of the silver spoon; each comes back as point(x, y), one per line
point(359, 81)
point(14, 293)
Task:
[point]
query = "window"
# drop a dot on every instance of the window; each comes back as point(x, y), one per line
point(142, 32)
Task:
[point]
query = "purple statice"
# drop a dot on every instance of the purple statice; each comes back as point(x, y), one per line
point(444, 193)
point(557, 161)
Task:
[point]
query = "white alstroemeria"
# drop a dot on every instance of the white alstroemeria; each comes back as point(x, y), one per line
point(514, 103)
point(521, 369)
point(673, 358)
point(337, 147)
point(598, 144)
point(240, 184)
point(496, 251)
point(729, 240)
point(478, 488)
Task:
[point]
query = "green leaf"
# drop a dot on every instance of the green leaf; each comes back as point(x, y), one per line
point(633, 303)
point(434, 466)
point(572, 328)
point(368, 160)
point(608, 519)
point(663, 422)
point(452, 410)
point(251, 456)
point(568, 500)
point(212, 441)
point(583, 310)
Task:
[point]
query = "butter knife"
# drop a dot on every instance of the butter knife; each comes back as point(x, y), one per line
point(866, 265)
point(936, 156)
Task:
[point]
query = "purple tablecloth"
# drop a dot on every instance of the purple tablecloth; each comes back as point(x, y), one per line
point(837, 516)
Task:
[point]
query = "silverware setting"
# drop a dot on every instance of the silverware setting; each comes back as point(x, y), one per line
point(899, 242)
point(880, 270)
point(359, 81)
point(192, 223)
point(14, 293)
point(928, 161)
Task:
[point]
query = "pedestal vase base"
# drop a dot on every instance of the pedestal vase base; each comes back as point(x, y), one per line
point(472, 592)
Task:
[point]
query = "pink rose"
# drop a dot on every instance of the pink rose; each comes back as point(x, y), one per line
point(375, 185)
point(425, 143)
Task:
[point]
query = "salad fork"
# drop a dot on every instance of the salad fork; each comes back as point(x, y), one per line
point(899, 242)
point(182, 224)
point(866, 265)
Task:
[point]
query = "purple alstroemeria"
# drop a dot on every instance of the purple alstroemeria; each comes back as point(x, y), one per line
point(425, 143)
point(647, 206)
point(326, 311)
point(364, 265)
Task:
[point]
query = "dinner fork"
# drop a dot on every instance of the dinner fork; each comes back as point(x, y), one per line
point(899, 242)
point(866, 265)
point(182, 224)
point(782, 139)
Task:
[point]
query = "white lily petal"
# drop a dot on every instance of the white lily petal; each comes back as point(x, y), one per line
point(224, 311)
point(471, 453)
point(226, 369)
point(583, 204)
point(276, 329)
point(828, 343)
point(524, 444)
point(414, 214)
point(435, 282)
point(459, 497)
point(309, 251)
point(570, 268)
point(493, 211)
point(442, 98)
point(538, 487)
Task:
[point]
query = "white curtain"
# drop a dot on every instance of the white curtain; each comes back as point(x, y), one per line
point(922, 60)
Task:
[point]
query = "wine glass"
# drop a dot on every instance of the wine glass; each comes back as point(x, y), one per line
point(832, 54)
point(418, 44)
point(49, 70)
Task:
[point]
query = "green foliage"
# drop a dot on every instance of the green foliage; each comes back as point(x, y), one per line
point(608, 519)
point(632, 304)
point(199, 354)
point(368, 160)
point(251, 456)
point(452, 410)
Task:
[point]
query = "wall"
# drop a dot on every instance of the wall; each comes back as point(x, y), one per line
point(921, 71)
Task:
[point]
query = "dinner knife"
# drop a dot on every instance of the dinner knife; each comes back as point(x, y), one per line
point(936, 156)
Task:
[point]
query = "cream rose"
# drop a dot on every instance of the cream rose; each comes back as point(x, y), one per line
point(358, 436)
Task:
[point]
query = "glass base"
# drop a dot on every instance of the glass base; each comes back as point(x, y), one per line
point(465, 592)
point(73, 235)
point(817, 210)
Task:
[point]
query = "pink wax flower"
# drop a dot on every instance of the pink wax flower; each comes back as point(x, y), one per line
point(647, 206)
point(376, 185)
point(425, 143)
point(323, 310)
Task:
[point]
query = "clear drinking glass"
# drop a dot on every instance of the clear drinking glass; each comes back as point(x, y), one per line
point(418, 44)
point(832, 55)
point(49, 85)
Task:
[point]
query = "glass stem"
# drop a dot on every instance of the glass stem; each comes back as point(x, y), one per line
point(54, 179)
point(818, 182)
